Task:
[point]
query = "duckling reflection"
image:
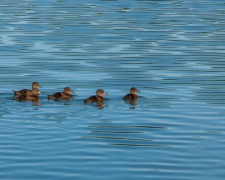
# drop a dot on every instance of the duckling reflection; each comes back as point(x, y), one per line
point(132, 102)
point(98, 105)
point(36, 103)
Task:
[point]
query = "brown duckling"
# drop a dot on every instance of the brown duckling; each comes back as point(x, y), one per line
point(25, 91)
point(96, 98)
point(132, 94)
point(65, 95)
point(30, 96)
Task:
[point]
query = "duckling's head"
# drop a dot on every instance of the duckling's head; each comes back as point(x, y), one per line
point(133, 90)
point(101, 92)
point(36, 85)
point(68, 90)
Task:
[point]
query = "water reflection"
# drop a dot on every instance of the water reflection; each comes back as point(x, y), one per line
point(211, 93)
point(98, 105)
point(124, 135)
point(131, 101)
point(58, 99)
point(34, 102)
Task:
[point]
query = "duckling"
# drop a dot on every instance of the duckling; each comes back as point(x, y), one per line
point(30, 96)
point(25, 91)
point(132, 94)
point(65, 95)
point(96, 98)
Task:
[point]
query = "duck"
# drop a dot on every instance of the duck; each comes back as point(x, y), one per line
point(30, 96)
point(65, 95)
point(96, 98)
point(27, 91)
point(132, 94)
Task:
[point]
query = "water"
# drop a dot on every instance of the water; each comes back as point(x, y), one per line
point(172, 51)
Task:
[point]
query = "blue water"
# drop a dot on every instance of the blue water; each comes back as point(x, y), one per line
point(172, 51)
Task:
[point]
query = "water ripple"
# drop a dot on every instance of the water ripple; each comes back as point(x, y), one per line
point(172, 51)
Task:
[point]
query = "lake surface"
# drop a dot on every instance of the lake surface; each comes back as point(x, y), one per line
point(171, 50)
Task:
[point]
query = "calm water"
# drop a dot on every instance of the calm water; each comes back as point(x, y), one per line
point(172, 51)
